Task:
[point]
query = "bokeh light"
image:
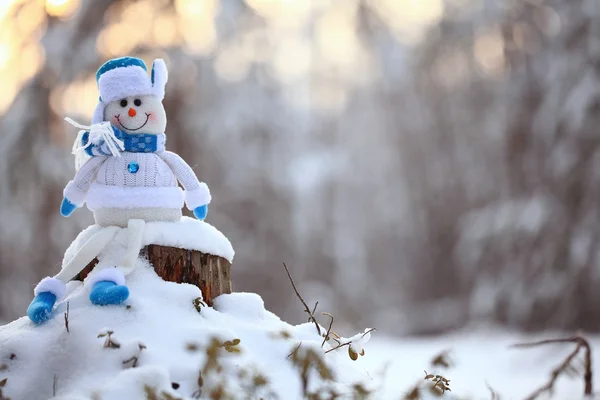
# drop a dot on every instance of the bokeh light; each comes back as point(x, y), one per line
point(281, 42)
point(489, 51)
point(409, 19)
point(61, 8)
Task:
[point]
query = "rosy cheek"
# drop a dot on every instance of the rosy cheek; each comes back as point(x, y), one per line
point(115, 119)
point(152, 117)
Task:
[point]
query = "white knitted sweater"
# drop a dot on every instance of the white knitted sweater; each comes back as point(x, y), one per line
point(137, 180)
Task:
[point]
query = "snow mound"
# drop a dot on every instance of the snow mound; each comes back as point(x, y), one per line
point(163, 343)
point(188, 233)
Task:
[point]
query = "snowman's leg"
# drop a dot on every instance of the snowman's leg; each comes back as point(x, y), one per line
point(135, 234)
point(109, 285)
point(106, 293)
point(87, 253)
point(40, 309)
point(49, 290)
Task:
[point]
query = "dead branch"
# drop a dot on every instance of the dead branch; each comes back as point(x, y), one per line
point(350, 342)
point(442, 359)
point(135, 358)
point(581, 343)
point(2, 385)
point(337, 347)
point(109, 343)
point(67, 318)
point(295, 350)
point(335, 337)
point(326, 337)
point(311, 315)
point(493, 393)
point(368, 331)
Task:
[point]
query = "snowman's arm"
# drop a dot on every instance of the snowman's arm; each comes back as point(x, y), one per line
point(76, 190)
point(196, 193)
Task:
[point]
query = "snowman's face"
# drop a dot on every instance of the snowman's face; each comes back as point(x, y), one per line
point(137, 114)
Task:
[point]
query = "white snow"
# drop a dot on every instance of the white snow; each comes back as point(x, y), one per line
point(358, 341)
point(478, 358)
point(161, 317)
point(188, 233)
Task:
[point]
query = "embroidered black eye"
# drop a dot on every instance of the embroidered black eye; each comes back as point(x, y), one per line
point(137, 102)
point(123, 103)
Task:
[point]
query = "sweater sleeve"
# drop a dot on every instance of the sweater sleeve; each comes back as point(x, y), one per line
point(196, 192)
point(76, 190)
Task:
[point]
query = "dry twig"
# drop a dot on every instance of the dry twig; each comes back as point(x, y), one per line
point(136, 357)
point(581, 343)
point(109, 343)
point(350, 342)
point(326, 337)
point(493, 393)
point(294, 351)
point(67, 318)
point(2, 385)
point(310, 313)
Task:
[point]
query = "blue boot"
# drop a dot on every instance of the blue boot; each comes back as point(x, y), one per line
point(108, 293)
point(40, 309)
point(201, 212)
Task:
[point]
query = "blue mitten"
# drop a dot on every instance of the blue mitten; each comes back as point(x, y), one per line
point(40, 309)
point(108, 293)
point(201, 211)
point(66, 207)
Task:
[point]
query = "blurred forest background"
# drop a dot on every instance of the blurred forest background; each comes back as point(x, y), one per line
point(419, 165)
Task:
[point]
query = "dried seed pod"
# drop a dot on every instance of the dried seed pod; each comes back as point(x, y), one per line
point(353, 355)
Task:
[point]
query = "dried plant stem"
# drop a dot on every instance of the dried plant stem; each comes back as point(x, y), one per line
point(108, 342)
point(326, 337)
point(350, 342)
point(67, 318)
point(493, 393)
point(135, 358)
point(310, 313)
point(295, 350)
point(580, 343)
point(338, 346)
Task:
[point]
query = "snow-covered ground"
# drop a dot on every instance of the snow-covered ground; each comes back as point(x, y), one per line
point(160, 316)
point(162, 341)
point(480, 357)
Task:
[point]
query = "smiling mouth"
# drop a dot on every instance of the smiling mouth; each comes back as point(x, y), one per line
point(136, 129)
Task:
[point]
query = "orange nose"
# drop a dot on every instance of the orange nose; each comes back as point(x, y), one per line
point(132, 112)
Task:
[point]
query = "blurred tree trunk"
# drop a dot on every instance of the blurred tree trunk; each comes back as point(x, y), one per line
point(34, 169)
point(557, 117)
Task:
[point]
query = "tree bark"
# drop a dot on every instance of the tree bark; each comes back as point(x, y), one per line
point(212, 274)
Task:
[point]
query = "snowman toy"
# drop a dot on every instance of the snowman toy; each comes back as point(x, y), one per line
point(125, 177)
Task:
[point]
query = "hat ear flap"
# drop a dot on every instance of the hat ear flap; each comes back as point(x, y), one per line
point(98, 113)
point(159, 78)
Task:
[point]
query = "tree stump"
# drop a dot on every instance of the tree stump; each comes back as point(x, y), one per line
point(212, 274)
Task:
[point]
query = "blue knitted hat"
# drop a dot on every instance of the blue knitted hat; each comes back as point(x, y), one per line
point(128, 76)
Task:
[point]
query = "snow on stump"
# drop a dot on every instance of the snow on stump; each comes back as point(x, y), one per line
point(188, 251)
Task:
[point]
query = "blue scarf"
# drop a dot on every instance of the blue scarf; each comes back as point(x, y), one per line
point(134, 143)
